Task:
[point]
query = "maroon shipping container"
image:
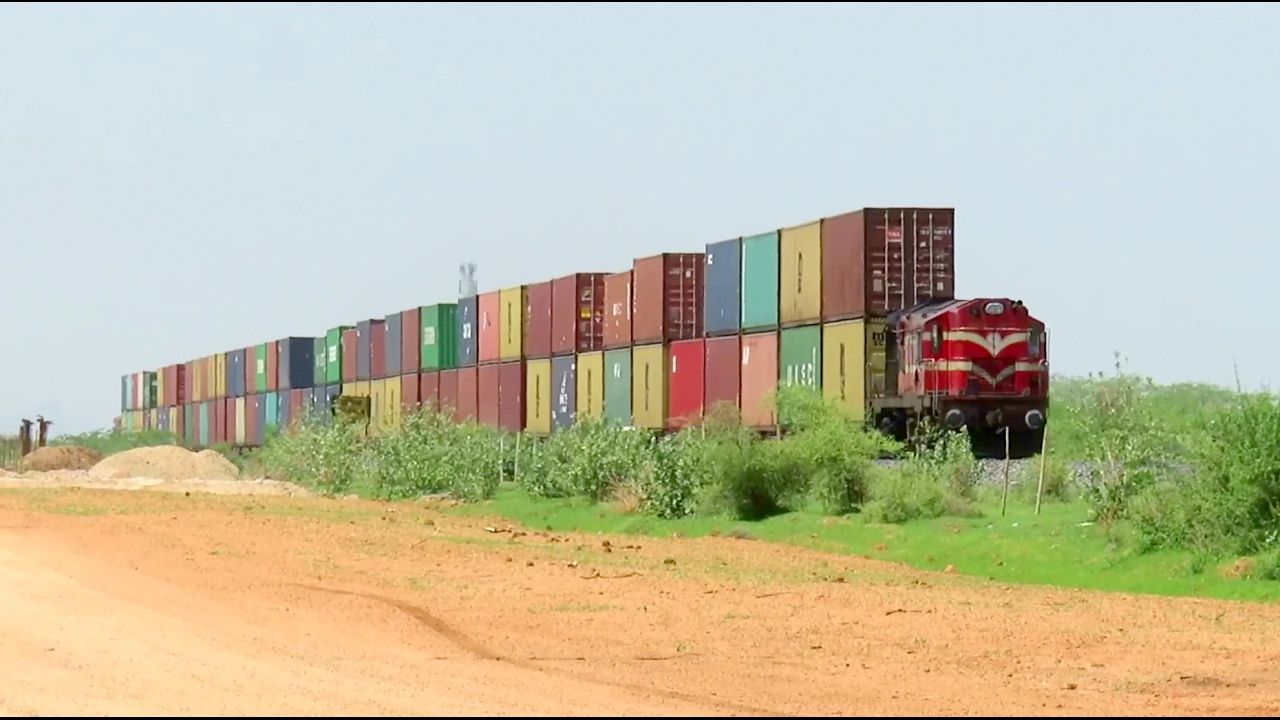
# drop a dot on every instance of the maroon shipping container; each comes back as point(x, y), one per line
point(723, 374)
point(577, 314)
point(350, 355)
point(298, 405)
point(410, 389)
point(250, 370)
point(685, 388)
point(538, 326)
point(411, 341)
point(667, 292)
point(617, 310)
point(168, 397)
point(185, 391)
point(378, 349)
point(468, 397)
point(879, 260)
point(195, 427)
point(448, 391)
point(273, 366)
point(511, 379)
point(429, 390)
point(488, 395)
point(216, 415)
point(251, 419)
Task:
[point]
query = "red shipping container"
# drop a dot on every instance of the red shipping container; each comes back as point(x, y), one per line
point(180, 385)
point(617, 310)
point(490, 339)
point(687, 372)
point(577, 314)
point(880, 260)
point(411, 342)
point(667, 298)
point(250, 370)
point(759, 379)
point(298, 405)
point(273, 366)
point(195, 425)
point(468, 395)
point(511, 387)
point(448, 392)
point(488, 395)
point(187, 396)
point(378, 349)
point(229, 422)
point(429, 390)
point(410, 387)
point(350, 355)
point(723, 375)
point(215, 416)
point(539, 324)
point(251, 419)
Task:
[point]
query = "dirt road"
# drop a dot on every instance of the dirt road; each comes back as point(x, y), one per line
point(165, 603)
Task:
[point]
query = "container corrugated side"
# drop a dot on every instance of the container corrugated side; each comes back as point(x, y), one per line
point(394, 336)
point(350, 365)
point(411, 341)
point(273, 366)
point(590, 394)
point(800, 357)
point(488, 395)
point(429, 389)
point(759, 379)
point(364, 349)
point(617, 386)
point(722, 376)
point(411, 391)
point(685, 382)
point(513, 312)
point(760, 277)
point(489, 307)
point(336, 356)
point(540, 322)
point(649, 386)
point(468, 331)
point(564, 392)
point(296, 365)
point(260, 368)
point(439, 336)
point(853, 363)
point(511, 395)
point(449, 387)
point(617, 310)
point(800, 266)
point(320, 362)
point(722, 306)
point(667, 294)
point(468, 394)
point(578, 313)
point(377, 349)
point(538, 400)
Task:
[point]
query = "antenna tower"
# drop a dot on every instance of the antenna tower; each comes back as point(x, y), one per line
point(467, 280)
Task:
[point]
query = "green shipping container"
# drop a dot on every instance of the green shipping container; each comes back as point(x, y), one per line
point(800, 357)
point(617, 386)
point(205, 421)
point(760, 282)
point(189, 425)
point(439, 336)
point(333, 355)
point(273, 409)
point(320, 377)
point(151, 389)
point(260, 372)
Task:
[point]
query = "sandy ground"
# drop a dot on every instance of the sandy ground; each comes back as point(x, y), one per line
point(194, 603)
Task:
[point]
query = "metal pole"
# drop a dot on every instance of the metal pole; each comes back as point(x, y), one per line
point(1044, 453)
point(1004, 501)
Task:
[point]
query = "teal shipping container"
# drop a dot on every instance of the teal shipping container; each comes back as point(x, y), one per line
point(260, 369)
point(333, 355)
point(439, 337)
point(800, 357)
point(205, 421)
point(760, 282)
point(617, 386)
point(320, 354)
point(188, 425)
point(273, 409)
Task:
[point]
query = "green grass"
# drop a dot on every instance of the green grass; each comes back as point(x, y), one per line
point(1056, 548)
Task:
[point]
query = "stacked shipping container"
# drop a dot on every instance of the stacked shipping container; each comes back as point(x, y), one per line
point(658, 346)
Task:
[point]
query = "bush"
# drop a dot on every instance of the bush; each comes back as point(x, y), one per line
point(328, 458)
point(939, 480)
point(432, 455)
point(591, 458)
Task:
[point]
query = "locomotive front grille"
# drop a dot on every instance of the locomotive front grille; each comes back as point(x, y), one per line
point(992, 375)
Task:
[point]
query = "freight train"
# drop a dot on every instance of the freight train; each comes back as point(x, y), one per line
point(860, 306)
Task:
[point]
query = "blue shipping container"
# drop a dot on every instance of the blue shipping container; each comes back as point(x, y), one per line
point(260, 413)
point(395, 338)
point(283, 414)
point(295, 367)
point(331, 393)
point(364, 338)
point(468, 333)
point(723, 288)
point(564, 391)
point(235, 374)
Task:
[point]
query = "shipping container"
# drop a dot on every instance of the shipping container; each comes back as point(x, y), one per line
point(220, 376)
point(299, 404)
point(468, 394)
point(218, 434)
point(617, 386)
point(488, 395)
point(378, 349)
point(260, 368)
point(513, 312)
point(800, 265)
point(411, 341)
point(853, 363)
point(393, 406)
point(320, 362)
point(206, 419)
point(468, 310)
point(722, 306)
point(335, 371)
point(162, 382)
point(251, 362)
point(685, 382)
point(439, 336)
point(190, 394)
point(564, 392)
point(800, 357)
point(271, 413)
point(617, 310)
point(511, 394)
point(296, 364)
point(760, 274)
point(259, 425)
point(411, 391)
point(367, 332)
point(163, 419)
point(577, 314)
point(190, 429)
point(349, 367)
point(667, 298)
point(590, 393)
point(239, 420)
point(538, 403)
point(149, 393)
point(273, 366)
point(759, 379)
point(722, 375)
point(488, 307)
point(429, 389)
point(448, 393)
point(284, 412)
point(880, 260)
point(539, 323)
point(126, 393)
point(392, 340)
point(649, 386)
point(315, 402)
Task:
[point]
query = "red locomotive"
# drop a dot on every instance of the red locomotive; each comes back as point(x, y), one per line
point(981, 364)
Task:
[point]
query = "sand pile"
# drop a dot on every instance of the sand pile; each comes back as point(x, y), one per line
point(61, 457)
point(166, 462)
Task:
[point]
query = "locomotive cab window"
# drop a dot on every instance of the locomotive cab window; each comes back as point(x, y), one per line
point(937, 339)
point(1033, 342)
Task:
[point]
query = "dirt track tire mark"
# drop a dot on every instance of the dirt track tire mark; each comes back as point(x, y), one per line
point(464, 642)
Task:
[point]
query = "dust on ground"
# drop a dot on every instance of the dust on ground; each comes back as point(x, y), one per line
point(151, 603)
point(61, 457)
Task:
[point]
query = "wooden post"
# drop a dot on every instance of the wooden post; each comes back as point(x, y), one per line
point(516, 470)
point(1004, 501)
point(502, 450)
point(1044, 453)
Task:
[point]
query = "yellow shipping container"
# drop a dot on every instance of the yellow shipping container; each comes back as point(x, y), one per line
point(392, 404)
point(220, 376)
point(240, 420)
point(162, 392)
point(537, 401)
point(513, 306)
point(377, 403)
point(853, 363)
point(590, 398)
point(196, 381)
point(800, 266)
point(649, 386)
point(364, 389)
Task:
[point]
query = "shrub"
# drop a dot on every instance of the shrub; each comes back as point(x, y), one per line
point(330, 459)
point(940, 479)
point(431, 454)
point(591, 458)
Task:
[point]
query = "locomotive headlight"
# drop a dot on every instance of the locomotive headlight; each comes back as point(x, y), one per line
point(994, 308)
point(954, 419)
point(1035, 419)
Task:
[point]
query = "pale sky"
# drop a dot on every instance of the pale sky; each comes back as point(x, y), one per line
point(181, 180)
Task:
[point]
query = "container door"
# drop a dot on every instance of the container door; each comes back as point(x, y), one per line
point(649, 387)
point(617, 386)
point(685, 389)
point(538, 400)
point(589, 398)
point(800, 300)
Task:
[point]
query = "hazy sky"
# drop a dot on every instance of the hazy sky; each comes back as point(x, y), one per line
point(181, 180)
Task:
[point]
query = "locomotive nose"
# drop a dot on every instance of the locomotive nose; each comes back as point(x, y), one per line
point(1035, 419)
